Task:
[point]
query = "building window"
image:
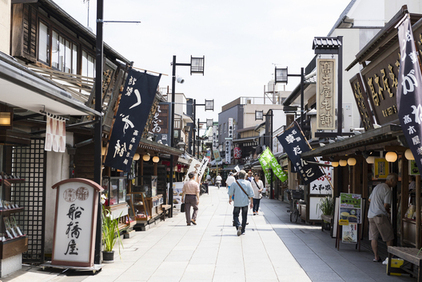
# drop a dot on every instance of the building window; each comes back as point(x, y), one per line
point(44, 43)
point(64, 54)
point(88, 65)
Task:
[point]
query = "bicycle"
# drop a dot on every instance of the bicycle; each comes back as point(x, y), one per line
point(295, 197)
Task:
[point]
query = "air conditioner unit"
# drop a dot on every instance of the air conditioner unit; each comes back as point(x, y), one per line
point(248, 101)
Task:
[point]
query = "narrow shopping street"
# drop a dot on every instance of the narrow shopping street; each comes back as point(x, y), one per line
point(273, 249)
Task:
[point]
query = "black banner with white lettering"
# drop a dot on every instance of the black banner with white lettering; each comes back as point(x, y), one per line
point(134, 108)
point(294, 144)
point(409, 92)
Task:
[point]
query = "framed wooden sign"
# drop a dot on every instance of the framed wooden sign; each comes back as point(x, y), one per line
point(75, 222)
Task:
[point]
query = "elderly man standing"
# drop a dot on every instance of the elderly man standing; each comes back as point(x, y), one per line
point(379, 214)
point(243, 195)
point(190, 196)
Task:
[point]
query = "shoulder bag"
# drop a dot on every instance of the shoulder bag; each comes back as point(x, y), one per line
point(257, 186)
point(242, 188)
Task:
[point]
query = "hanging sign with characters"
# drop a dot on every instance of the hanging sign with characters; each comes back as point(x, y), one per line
point(294, 144)
point(134, 108)
point(409, 91)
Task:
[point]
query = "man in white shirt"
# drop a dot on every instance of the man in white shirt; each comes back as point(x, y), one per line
point(230, 179)
point(379, 214)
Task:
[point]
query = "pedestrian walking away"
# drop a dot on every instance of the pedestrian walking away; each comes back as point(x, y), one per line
point(190, 196)
point(230, 179)
point(257, 186)
point(379, 214)
point(243, 196)
point(218, 180)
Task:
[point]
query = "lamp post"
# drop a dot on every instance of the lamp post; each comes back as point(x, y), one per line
point(209, 123)
point(259, 116)
point(196, 66)
point(281, 76)
point(209, 106)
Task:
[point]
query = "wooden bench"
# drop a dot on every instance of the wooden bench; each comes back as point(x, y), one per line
point(411, 255)
point(166, 211)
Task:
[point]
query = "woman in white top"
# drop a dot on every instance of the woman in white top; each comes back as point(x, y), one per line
point(257, 186)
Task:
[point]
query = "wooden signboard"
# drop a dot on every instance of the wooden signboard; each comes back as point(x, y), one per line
point(75, 222)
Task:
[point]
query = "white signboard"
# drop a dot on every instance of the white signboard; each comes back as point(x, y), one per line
point(76, 217)
point(322, 186)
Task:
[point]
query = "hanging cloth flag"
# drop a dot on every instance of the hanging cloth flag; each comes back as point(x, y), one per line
point(267, 160)
point(55, 134)
point(294, 144)
point(134, 108)
point(409, 92)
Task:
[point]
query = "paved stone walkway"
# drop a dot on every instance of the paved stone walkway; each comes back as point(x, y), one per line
point(273, 249)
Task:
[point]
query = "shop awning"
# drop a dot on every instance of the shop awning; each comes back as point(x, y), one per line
point(23, 88)
point(160, 148)
point(387, 135)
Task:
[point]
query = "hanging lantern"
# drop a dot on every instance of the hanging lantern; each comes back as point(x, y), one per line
point(237, 152)
point(351, 161)
point(146, 157)
point(155, 159)
point(136, 157)
point(391, 157)
point(334, 164)
point(343, 162)
point(409, 155)
point(370, 159)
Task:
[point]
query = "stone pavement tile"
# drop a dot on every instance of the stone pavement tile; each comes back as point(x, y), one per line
point(229, 272)
point(199, 272)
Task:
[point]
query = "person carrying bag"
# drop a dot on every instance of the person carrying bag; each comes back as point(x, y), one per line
point(257, 186)
point(243, 195)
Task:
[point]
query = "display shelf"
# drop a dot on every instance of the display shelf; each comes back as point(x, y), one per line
point(10, 181)
point(10, 211)
point(13, 246)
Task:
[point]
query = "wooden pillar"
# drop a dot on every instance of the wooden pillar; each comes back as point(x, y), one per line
point(141, 172)
point(404, 198)
point(418, 209)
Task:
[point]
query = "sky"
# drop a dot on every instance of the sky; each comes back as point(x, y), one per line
point(242, 41)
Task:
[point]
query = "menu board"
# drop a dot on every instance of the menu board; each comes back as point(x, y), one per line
point(350, 209)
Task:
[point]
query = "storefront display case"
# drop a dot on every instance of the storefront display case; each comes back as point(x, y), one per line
point(13, 241)
point(116, 190)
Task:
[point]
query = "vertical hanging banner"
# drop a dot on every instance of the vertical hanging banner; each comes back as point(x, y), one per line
point(294, 144)
point(134, 108)
point(267, 160)
point(409, 92)
point(326, 94)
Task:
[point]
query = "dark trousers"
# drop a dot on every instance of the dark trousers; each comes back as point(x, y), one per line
point(236, 212)
point(191, 201)
point(256, 204)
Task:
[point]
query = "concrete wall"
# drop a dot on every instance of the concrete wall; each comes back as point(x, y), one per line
point(5, 11)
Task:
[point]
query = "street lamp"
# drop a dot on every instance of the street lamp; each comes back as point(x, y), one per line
point(282, 75)
point(209, 106)
point(209, 123)
point(259, 116)
point(196, 66)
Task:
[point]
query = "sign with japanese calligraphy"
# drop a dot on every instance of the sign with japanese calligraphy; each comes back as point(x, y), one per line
point(134, 108)
point(194, 167)
point(409, 91)
point(294, 144)
point(267, 160)
point(75, 222)
point(361, 98)
point(326, 94)
point(322, 185)
point(160, 122)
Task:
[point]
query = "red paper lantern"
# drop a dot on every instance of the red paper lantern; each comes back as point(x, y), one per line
point(237, 153)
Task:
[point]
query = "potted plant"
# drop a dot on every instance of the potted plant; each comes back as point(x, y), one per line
point(326, 205)
point(110, 234)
